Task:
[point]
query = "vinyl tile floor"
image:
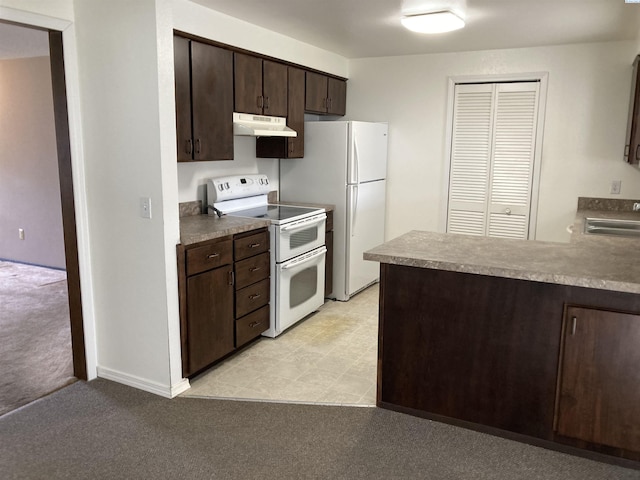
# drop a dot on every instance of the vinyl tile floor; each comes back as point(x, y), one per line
point(328, 358)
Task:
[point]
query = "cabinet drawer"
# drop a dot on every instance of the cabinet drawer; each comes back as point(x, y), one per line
point(252, 245)
point(252, 270)
point(252, 297)
point(252, 325)
point(201, 259)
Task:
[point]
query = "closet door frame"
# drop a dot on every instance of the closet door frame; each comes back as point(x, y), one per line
point(541, 77)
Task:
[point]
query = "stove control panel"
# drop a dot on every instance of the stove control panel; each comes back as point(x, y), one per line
point(231, 187)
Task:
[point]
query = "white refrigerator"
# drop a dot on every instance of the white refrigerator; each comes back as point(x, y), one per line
point(344, 164)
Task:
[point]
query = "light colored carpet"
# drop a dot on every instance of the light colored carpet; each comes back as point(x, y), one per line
point(35, 335)
point(102, 430)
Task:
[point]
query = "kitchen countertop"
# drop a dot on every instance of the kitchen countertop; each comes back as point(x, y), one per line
point(610, 263)
point(200, 228)
point(195, 228)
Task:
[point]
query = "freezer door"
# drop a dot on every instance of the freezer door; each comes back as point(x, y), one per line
point(367, 152)
point(365, 230)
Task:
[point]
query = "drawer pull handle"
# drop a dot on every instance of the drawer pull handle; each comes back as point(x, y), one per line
point(254, 324)
point(254, 269)
point(254, 245)
point(573, 325)
point(213, 255)
point(232, 278)
point(254, 296)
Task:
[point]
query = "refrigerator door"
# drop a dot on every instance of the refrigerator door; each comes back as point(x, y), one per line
point(367, 152)
point(365, 230)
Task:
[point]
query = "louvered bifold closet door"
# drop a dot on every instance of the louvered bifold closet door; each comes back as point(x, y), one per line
point(470, 159)
point(515, 122)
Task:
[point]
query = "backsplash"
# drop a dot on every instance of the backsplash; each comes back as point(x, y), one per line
point(606, 204)
point(188, 209)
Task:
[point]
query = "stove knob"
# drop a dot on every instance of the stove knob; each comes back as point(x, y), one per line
point(226, 185)
point(220, 187)
point(266, 181)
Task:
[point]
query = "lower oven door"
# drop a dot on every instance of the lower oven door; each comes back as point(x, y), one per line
point(299, 288)
point(295, 238)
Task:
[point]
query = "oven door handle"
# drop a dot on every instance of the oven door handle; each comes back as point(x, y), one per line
point(304, 223)
point(302, 259)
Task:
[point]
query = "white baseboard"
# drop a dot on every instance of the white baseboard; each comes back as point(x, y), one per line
point(144, 384)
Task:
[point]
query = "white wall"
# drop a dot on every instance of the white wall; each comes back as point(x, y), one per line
point(586, 115)
point(52, 8)
point(120, 52)
point(198, 20)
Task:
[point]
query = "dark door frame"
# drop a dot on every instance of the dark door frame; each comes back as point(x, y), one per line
point(61, 116)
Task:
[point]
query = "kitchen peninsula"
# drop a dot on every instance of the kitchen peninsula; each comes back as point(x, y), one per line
point(535, 341)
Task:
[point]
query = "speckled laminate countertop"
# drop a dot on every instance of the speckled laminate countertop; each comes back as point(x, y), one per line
point(200, 228)
point(610, 263)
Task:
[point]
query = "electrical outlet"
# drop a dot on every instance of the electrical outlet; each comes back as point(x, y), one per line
point(145, 207)
point(21, 233)
point(616, 185)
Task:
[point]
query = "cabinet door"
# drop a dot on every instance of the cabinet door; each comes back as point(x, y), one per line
point(337, 96)
point(248, 84)
point(288, 147)
point(599, 387)
point(632, 148)
point(274, 88)
point(212, 102)
point(181, 51)
point(316, 93)
point(295, 114)
point(210, 322)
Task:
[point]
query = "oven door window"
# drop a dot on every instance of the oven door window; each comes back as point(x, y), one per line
point(303, 286)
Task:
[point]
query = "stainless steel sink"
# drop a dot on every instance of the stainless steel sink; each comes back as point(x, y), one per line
point(610, 226)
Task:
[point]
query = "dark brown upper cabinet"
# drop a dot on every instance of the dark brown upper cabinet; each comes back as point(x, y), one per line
point(204, 101)
point(325, 95)
point(288, 147)
point(260, 86)
point(632, 144)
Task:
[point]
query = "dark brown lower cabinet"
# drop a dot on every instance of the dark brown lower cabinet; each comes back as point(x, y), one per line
point(599, 386)
point(210, 321)
point(223, 286)
point(502, 356)
point(328, 264)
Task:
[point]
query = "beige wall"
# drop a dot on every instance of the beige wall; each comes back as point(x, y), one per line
point(585, 123)
point(29, 184)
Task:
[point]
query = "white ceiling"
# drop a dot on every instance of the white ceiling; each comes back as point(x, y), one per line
point(371, 28)
point(22, 42)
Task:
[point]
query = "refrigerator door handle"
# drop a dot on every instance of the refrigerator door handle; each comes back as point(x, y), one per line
point(354, 209)
point(357, 159)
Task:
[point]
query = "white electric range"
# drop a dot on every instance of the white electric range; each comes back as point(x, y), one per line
point(297, 253)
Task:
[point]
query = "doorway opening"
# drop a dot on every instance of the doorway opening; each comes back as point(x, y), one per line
point(39, 197)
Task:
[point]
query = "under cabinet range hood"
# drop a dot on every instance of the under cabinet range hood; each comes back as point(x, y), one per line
point(261, 126)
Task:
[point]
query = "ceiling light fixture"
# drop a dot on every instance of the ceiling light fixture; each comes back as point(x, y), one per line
point(435, 22)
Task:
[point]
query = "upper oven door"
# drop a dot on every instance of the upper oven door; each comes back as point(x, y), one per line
point(295, 238)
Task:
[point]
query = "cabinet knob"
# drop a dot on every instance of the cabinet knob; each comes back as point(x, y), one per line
point(574, 324)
